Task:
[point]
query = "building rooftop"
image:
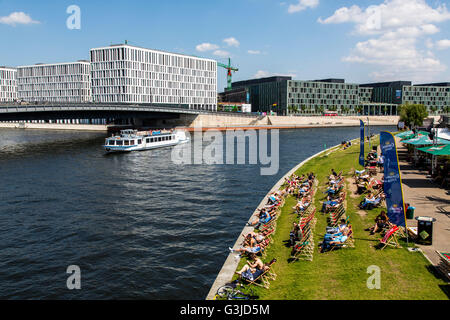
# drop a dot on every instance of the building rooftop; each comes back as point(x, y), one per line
point(439, 84)
point(158, 50)
point(386, 84)
point(260, 80)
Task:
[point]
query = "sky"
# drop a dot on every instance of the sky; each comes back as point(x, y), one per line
point(359, 40)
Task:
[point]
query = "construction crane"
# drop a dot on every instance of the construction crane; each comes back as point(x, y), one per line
point(229, 69)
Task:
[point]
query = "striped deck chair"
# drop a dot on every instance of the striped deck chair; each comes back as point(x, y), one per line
point(335, 216)
point(350, 242)
point(263, 280)
point(390, 238)
point(303, 250)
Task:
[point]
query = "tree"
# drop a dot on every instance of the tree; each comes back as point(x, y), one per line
point(413, 114)
point(359, 109)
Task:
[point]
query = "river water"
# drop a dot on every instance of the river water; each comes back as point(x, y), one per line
point(138, 225)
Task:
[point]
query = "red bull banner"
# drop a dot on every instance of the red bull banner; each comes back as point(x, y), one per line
point(392, 180)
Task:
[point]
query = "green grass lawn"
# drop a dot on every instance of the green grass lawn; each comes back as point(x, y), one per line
point(342, 274)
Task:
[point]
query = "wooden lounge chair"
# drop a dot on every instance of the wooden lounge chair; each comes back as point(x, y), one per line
point(390, 238)
point(263, 280)
point(350, 242)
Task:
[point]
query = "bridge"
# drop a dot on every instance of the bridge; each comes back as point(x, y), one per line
point(56, 111)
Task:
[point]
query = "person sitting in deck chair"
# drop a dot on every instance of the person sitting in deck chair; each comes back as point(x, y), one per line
point(296, 234)
point(381, 222)
point(370, 199)
point(303, 204)
point(339, 238)
point(263, 218)
point(253, 269)
point(336, 230)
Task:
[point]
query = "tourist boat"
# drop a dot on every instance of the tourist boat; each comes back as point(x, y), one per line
point(132, 140)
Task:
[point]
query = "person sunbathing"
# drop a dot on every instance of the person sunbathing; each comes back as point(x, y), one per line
point(331, 203)
point(263, 218)
point(381, 222)
point(336, 230)
point(303, 204)
point(253, 269)
point(332, 240)
point(296, 234)
point(369, 200)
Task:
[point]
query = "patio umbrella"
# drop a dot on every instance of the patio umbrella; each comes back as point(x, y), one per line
point(404, 134)
point(425, 140)
point(437, 150)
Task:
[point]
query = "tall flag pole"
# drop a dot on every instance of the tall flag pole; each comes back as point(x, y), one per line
point(361, 143)
point(392, 180)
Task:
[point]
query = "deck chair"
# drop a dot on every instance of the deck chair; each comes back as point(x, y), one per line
point(263, 280)
point(304, 249)
point(350, 242)
point(390, 238)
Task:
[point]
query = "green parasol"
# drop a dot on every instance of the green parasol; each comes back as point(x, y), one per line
point(437, 150)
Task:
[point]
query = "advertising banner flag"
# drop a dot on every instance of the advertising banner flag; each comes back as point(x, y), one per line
point(392, 180)
point(361, 143)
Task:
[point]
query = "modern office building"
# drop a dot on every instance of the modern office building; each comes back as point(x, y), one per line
point(130, 74)
point(284, 95)
point(8, 84)
point(58, 82)
point(434, 96)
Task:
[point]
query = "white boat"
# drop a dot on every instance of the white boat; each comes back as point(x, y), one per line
point(132, 140)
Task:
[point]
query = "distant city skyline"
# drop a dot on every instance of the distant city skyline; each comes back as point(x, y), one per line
point(360, 41)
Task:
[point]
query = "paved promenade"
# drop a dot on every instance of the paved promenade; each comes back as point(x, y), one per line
point(429, 200)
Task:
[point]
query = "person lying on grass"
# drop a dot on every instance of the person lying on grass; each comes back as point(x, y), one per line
point(253, 269)
point(381, 222)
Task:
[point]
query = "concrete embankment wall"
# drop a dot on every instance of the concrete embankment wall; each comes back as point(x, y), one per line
point(55, 126)
point(229, 267)
point(222, 121)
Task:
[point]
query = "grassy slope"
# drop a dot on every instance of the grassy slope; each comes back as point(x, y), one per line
point(342, 274)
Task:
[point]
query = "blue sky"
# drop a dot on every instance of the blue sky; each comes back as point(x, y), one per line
point(359, 40)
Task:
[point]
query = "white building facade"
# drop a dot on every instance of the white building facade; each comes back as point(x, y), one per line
point(8, 84)
point(129, 74)
point(60, 82)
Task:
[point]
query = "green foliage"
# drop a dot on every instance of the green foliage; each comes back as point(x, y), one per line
point(413, 114)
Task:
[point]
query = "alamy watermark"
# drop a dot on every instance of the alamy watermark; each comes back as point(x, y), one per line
point(74, 280)
point(73, 22)
point(374, 281)
point(214, 147)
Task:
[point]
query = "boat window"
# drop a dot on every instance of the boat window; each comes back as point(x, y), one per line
point(119, 142)
point(148, 140)
point(127, 142)
point(131, 142)
point(139, 141)
point(111, 142)
point(159, 139)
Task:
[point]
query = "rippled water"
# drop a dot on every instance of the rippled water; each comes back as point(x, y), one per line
point(138, 225)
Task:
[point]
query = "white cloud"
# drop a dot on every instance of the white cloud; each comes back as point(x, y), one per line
point(302, 5)
point(443, 44)
point(394, 30)
point(231, 42)
point(221, 53)
point(16, 18)
point(254, 52)
point(206, 47)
